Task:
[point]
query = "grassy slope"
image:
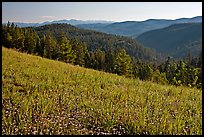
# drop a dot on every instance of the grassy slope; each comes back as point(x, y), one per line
point(42, 96)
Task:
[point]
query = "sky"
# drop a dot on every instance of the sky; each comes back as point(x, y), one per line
point(38, 12)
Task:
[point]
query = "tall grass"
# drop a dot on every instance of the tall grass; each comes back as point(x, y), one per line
point(42, 96)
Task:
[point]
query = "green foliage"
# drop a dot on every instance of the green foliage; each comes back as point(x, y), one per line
point(159, 78)
point(109, 59)
point(123, 63)
point(183, 73)
point(39, 47)
point(142, 70)
point(9, 39)
point(66, 52)
point(99, 57)
point(80, 51)
point(18, 39)
point(145, 72)
point(50, 49)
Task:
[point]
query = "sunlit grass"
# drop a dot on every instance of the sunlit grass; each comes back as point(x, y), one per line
point(41, 96)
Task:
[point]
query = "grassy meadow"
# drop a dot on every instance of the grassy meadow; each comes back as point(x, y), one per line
point(42, 96)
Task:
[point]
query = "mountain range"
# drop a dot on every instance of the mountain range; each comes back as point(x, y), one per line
point(71, 22)
point(173, 37)
point(135, 28)
point(177, 40)
point(126, 28)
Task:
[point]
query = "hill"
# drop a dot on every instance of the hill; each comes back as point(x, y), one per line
point(42, 96)
point(176, 40)
point(100, 40)
point(135, 28)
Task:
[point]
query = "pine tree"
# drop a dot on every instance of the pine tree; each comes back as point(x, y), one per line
point(3, 34)
point(12, 29)
point(80, 51)
point(66, 53)
point(145, 72)
point(38, 47)
point(49, 46)
point(123, 63)
point(29, 43)
point(109, 59)
point(9, 40)
point(40, 50)
point(8, 28)
point(99, 59)
point(18, 39)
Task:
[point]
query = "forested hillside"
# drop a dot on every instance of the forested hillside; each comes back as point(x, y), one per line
point(177, 40)
point(102, 41)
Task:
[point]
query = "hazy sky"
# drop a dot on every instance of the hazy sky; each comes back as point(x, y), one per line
point(112, 11)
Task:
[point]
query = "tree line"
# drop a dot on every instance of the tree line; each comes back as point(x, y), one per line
point(187, 72)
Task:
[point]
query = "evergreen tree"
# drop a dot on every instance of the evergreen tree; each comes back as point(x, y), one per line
point(29, 43)
point(8, 28)
point(99, 59)
point(109, 59)
point(12, 29)
point(66, 53)
point(123, 63)
point(38, 47)
point(3, 34)
point(18, 39)
point(80, 51)
point(145, 72)
point(9, 40)
point(49, 46)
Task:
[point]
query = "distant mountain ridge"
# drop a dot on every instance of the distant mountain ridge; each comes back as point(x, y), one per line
point(135, 28)
point(176, 40)
point(126, 28)
point(71, 22)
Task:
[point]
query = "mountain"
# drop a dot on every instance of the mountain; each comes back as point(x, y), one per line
point(77, 22)
point(135, 28)
point(127, 28)
point(189, 20)
point(71, 22)
point(176, 40)
point(95, 40)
